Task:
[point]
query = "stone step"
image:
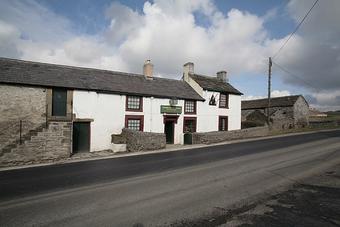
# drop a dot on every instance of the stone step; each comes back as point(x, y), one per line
point(24, 139)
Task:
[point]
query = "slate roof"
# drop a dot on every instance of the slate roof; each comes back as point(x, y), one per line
point(214, 84)
point(14, 71)
point(284, 101)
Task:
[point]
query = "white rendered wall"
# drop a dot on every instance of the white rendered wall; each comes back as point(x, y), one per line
point(207, 118)
point(108, 114)
point(153, 119)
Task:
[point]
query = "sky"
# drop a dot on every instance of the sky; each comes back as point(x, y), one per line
point(236, 36)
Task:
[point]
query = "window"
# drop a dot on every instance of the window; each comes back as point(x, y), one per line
point(134, 122)
point(189, 124)
point(134, 103)
point(224, 100)
point(189, 107)
point(223, 123)
point(59, 102)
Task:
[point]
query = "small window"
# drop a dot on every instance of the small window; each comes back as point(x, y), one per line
point(224, 100)
point(134, 122)
point(134, 103)
point(223, 123)
point(189, 107)
point(59, 102)
point(189, 124)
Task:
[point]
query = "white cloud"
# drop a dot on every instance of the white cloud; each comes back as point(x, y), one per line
point(275, 93)
point(314, 52)
point(167, 32)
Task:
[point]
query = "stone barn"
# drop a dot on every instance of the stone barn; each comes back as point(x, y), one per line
point(285, 112)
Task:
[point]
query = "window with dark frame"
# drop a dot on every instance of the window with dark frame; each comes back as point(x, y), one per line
point(189, 124)
point(224, 100)
point(59, 102)
point(134, 103)
point(223, 123)
point(134, 122)
point(189, 107)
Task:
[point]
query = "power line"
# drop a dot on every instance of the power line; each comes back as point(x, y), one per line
point(295, 76)
point(297, 28)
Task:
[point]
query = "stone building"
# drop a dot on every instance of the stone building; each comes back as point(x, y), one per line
point(52, 111)
point(285, 112)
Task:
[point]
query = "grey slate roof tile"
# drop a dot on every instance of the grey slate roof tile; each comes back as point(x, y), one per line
point(214, 84)
point(284, 101)
point(14, 71)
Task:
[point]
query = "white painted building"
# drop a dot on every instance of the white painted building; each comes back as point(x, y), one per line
point(100, 103)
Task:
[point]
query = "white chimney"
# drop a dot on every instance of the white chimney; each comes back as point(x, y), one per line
point(148, 69)
point(188, 68)
point(222, 75)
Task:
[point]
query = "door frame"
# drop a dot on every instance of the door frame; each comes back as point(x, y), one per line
point(226, 126)
point(83, 121)
point(173, 119)
point(173, 131)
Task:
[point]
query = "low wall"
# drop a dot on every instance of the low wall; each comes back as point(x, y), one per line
point(220, 136)
point(324, 124)
point(140, 141)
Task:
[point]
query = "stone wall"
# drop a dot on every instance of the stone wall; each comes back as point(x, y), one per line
point(301, 113)
point(216, 137)
point(17, 103)
point(143, 141)
point(281, 118)
point(54, 142)
point(324, 124)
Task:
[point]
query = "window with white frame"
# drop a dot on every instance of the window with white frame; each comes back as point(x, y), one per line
point(134, 103)
point(134, 122)
point(190, 107)
point(224, 101)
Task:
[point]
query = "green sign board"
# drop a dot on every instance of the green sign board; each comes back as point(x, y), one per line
point(171, 109)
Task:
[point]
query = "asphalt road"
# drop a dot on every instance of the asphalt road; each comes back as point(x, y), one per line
point(165, 188)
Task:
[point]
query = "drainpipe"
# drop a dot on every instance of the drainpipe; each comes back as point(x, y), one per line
point(151, 99)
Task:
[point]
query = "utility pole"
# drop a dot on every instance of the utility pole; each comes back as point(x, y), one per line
point(269, 89)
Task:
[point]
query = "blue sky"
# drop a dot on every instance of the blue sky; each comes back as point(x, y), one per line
point(237, 36)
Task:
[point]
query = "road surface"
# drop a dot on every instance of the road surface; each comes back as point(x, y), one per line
point(162, 189)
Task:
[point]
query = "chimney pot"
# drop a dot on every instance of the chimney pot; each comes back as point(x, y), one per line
point(222, 75)
point(148, 69)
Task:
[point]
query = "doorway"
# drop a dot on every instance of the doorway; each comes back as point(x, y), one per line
point(169, 130)
point(81, 137)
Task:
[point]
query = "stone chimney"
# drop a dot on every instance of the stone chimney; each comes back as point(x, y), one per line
point(188, 68)
point(148, 69)
point(222, 75)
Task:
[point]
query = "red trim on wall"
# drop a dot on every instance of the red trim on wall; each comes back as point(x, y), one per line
point(135, 117)
point(190, 118)
point(140, 104)
point(195, 107)
point(173, 118)
point(227, 101)
point(220, 121)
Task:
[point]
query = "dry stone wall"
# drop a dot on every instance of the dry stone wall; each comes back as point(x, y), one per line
point(220, 136)
point(143, 141)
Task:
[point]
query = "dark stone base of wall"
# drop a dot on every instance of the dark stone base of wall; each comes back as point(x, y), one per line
point(216, 137)
point(142, 141)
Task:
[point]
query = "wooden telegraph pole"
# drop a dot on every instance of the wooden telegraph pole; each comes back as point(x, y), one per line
point(269, 89)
